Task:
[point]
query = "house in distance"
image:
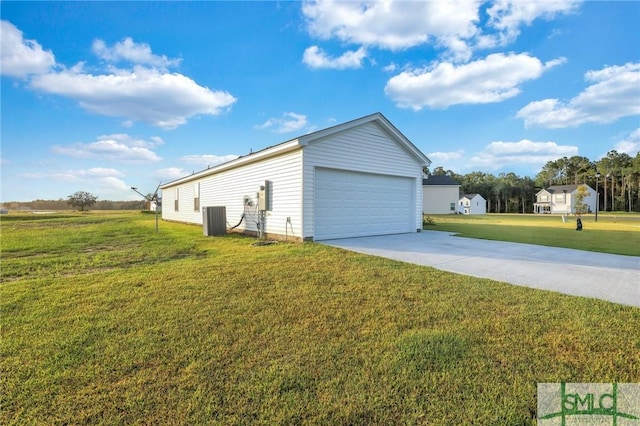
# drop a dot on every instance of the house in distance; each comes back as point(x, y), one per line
point(561, 199)
point(440, 195)
point(472, 204)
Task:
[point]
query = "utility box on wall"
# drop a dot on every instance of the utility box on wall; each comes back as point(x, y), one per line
point(214, 220)
point(264, 196)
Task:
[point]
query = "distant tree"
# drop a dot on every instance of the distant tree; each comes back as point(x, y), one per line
point(527, 193)
point(616, 170)
point(580, 206)
point(440, 171)
point(81, 199)
point(580, 168)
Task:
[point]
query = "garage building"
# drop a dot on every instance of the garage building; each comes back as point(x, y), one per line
point(359, 178)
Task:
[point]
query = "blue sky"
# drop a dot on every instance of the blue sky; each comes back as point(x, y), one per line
point(100, 97)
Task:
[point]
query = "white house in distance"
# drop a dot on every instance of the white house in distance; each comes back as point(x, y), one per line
point(359, 178)
point(561, 199)
point(472, 204)
point(440, 195)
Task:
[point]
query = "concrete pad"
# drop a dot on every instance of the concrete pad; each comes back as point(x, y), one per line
point(611, 277)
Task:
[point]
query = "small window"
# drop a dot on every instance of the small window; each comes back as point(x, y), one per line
point(196, 197)
point(559, 197)
point(453, 206)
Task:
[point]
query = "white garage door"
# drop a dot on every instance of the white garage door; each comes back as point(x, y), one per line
point(352, 204)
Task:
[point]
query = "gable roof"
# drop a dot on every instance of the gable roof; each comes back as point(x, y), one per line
point(440, 180)
point(471, 196)
point(559, 189)
point(302, 141)
point(562, 188)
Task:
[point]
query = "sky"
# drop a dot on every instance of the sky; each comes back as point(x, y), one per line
point(105, 96)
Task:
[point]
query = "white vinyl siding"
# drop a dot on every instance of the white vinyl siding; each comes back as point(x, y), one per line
point(229, 188)
point(366, 148)
point(475, 205)
point(437, 199)
point(563, 200)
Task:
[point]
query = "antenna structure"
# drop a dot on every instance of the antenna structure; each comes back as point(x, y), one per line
point(152, 198)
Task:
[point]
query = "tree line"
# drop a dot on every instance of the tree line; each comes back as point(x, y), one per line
point(615, 176)
point(63, 204)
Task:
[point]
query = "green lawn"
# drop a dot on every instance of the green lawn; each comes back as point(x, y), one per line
point(106, 322)
point(618, 234)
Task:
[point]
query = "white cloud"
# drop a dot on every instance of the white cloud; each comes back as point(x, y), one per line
point(507, 16)
point(395, 25)
point(208, 160)
point(169, 174)
point(118, 147)
point(100, 172)
point(453, 160)
point(390, 68)
point(613, 94)
point(456, 27)
point(130, 51)
point(445, 157)
point(105, 183)
point(528, 147)
point(499, 154)
point(630, 145)
point(493, 79)
point(142, 94)
point(20, 57)
point(146, 92)
point(316, 58)
point(156, 140)
point(290, 122)
point(94, 180)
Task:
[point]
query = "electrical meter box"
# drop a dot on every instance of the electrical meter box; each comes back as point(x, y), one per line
point(264, 196)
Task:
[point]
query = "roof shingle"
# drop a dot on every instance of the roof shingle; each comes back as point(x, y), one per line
point(440, 180)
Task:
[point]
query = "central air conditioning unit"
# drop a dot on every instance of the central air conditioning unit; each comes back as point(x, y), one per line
point(214, 221)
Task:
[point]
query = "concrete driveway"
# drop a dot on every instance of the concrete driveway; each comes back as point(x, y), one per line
point(609, 277)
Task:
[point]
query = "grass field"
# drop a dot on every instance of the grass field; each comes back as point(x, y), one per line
point(612, 233)
point(106, 322)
